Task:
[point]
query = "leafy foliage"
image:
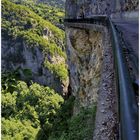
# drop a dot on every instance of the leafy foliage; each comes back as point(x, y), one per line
point(47, 12)
point(23, 23)
point(28, 108)
point(55, 3)
point(59, 69)
point(78, 127)
point(37, 112)
point(17, 18)
point(13, 129)
point(81, 126)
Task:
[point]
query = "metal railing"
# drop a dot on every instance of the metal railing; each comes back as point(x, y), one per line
point(127, 103)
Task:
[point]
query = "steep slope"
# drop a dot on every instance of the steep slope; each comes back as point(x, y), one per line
point(34, 71)
point(55, 3)
point(91, 61)
point(47, 12)
point(35, 44)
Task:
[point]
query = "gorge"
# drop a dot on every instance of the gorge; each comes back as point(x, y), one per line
point(60, 78)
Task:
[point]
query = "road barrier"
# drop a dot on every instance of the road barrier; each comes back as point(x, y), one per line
point(127, 102)
point(128, 109)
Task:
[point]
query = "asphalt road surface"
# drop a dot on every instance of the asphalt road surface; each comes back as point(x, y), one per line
point(130, 34)
point(130, 30)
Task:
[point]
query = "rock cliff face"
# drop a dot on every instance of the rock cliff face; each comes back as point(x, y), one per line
point(88, 8)
point(20, 55)
point(85, 47)
point(91, 61)
point(85, 53)
point(33, 46)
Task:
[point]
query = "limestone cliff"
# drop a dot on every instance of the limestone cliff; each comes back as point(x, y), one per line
point(89, 8)
point(33, 44)
point(91, 60)
point(22, 56)
point(85, 49)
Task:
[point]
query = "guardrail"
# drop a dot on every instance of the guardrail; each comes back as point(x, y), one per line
point(127, 103)
point(96, 20)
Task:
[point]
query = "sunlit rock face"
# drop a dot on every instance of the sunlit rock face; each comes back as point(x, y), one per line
point(84, 52)
point(89, 8)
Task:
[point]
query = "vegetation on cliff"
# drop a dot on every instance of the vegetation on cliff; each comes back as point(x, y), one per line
point(29, 110)
point(54, 14)
point(54, 3)
point(19, 22)
point(37, 112)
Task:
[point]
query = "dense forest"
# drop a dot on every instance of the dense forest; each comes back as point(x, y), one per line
point(31, 110)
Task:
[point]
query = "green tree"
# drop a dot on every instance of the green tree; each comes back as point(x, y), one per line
point(28, 108)
point(14, 129)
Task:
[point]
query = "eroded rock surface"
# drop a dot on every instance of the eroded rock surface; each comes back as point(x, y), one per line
point(89, 8)
point(85, 52)
point(92, 76)
point(20, 55)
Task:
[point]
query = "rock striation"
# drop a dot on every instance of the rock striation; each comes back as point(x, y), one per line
point(85, 54)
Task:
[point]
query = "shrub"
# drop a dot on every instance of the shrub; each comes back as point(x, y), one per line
point(29, 108)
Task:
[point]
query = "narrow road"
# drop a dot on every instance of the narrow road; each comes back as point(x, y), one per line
point(130, 30)
point(106, 124)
